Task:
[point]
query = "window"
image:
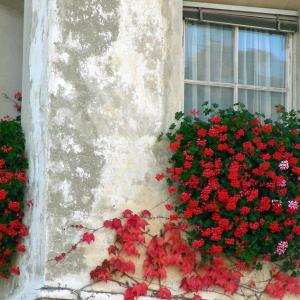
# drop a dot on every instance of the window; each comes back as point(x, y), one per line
point(229, 63)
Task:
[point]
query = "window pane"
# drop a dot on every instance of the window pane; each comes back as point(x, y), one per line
point(208, 52)
point(262, 102)
point(262, 58)
point(196, 95)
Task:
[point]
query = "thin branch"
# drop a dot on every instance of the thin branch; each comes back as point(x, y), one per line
point(9, 98)
point(160, 203)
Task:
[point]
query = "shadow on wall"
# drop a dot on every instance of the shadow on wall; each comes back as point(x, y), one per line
point(11, 40)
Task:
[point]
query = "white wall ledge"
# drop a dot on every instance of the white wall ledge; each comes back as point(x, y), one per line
point(48, 293)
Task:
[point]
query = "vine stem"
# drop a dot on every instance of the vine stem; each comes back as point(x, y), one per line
point(153, 291)
point(9, 98)
point(183, 296)
point(93, 230)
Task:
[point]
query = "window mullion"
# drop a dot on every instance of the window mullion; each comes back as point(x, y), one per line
point(288, 72)
point(239, 86)
point(236, 64)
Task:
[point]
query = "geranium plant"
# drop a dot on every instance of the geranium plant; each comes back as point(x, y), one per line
point(237, 176)
point(12, 184)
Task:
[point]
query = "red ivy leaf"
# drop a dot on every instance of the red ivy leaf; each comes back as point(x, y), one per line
point(164, 293)
point(88, 237)
point(146, 213)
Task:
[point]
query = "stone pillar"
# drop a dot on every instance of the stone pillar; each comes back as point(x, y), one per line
point(102, 79)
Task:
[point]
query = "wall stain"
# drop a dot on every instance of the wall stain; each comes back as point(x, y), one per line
point(87, 29)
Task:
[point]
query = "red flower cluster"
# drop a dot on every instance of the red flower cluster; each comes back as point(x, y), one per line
point(237, 178)
point(12, 184)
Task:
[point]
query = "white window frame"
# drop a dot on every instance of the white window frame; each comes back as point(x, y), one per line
point(287, 90)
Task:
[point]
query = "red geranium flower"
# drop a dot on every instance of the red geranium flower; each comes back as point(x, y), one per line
point(216, 119)
point(174, 146)
point(198, 244)
point(14, 270)
point(3, 194)
point(14, 206)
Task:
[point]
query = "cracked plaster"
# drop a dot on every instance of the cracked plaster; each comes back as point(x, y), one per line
point(110, 97)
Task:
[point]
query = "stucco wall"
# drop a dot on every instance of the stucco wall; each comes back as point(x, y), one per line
point(11, 38)
point(116, 81)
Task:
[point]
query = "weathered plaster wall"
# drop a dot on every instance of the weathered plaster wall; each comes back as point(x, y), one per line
point(116, 81)
point(11, 38)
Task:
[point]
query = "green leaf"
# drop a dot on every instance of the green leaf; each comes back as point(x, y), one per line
point(172, 126)
point(179, 115)
point(159, 138)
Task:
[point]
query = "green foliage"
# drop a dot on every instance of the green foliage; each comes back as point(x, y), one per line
point(12, 184)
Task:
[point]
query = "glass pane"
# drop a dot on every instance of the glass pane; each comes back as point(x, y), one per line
point(262, 102)
point(208, 52)
point(262, 58)
point(196, 95)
